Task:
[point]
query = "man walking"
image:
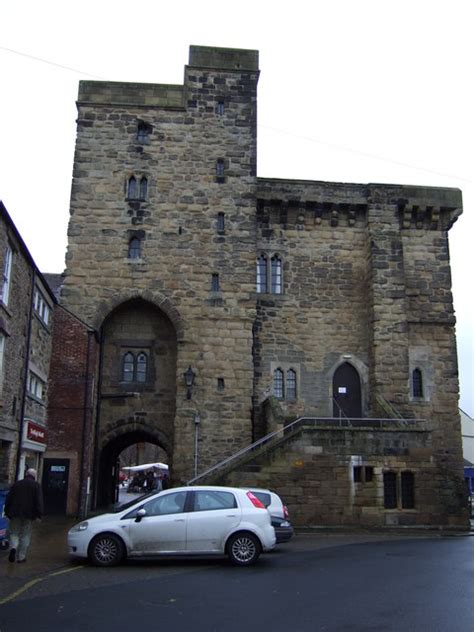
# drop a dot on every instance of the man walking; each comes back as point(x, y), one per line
point(23, 505)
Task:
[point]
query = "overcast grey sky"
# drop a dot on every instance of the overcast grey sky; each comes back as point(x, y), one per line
point(366, 91)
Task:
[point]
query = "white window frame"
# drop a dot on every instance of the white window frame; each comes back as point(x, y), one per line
point(7, 273)
point(36, 386)
point(41, 307)
point(3, 339)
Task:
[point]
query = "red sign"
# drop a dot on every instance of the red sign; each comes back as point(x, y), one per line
point(34, 432)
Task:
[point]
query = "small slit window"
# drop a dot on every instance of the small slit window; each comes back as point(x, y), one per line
point(417, 382)
point(215, 287)
point(220, 108)
point(220, 171)
point(143, 133)
point(134, 248)
point(220, 222)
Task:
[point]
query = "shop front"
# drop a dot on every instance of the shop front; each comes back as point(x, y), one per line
point(33, 445)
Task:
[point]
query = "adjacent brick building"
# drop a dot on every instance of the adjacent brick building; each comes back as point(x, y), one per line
point(277, 299)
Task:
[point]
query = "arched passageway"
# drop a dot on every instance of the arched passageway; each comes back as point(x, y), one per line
point(110, 462)
point(137, 387)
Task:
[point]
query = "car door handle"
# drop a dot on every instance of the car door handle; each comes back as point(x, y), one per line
point(179, 520)
point(230, 516)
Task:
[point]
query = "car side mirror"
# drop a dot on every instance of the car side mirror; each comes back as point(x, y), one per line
point(141, 513)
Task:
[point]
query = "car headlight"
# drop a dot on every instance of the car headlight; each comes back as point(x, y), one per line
point(284, 523)
point(82, 526)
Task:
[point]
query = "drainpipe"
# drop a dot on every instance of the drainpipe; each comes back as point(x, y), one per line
point(95, 468)
point(86, 432)
point(25, 377)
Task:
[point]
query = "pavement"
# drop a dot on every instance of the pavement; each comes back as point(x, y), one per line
point(47, 554)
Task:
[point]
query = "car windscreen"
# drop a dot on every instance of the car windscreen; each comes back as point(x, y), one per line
point(118, 508)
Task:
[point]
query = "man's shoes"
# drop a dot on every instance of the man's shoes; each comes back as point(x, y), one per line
point(12, 555)
point(23, 560)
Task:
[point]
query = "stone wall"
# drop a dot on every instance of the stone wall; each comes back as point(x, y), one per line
point(181, 245)
point(14, 317)
point(365, 284)
point(26, 328)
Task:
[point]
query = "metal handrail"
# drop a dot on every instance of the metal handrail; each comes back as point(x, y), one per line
point(337, 421)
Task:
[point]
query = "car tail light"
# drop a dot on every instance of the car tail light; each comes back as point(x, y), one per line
point(255, 501)
point(285, 512)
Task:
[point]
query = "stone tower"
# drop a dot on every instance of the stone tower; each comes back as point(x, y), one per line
point(278, 299)
point(161, 253)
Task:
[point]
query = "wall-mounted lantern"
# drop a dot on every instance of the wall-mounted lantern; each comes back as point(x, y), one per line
point(189, 376)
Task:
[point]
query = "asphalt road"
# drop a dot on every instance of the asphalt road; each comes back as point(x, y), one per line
point(388, 585)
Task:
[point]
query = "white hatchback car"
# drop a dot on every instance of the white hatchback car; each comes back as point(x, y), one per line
point(197, 520)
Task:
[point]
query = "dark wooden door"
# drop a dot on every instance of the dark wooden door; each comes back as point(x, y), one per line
point(54, 484)
point(346, 392)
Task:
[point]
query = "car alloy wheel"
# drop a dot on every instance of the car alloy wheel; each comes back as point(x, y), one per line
point(243, 549)
point(106, 550)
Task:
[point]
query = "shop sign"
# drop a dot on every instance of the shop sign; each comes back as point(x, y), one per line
point(34, 432)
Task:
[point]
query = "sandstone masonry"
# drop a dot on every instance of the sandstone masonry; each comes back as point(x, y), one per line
point(285, 298)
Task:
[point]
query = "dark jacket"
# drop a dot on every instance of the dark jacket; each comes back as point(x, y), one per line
point(24, 500)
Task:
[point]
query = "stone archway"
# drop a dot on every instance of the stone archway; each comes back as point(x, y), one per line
point(113, 445)
point(137, 385)
point(346, 391)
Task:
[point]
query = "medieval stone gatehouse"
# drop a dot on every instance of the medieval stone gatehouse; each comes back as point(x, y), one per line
point(279, 299)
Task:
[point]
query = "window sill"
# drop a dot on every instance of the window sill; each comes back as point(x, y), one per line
point(4, 307)
point(39, 401)
point(45, 326)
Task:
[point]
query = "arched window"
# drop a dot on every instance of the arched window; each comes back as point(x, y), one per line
point(143, 188)
point(135, 367)
point(141, 367)
point(269, 274)
point(128, 366)
point(132, 188)
point(417, 383)
point(262, 274)
point(291, 384)
point(278, 389)
point(276, 274)
point(134, 248)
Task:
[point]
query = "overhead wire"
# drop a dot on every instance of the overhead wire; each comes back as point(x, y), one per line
point(266, 127)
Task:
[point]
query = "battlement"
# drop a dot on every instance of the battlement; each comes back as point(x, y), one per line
point(135, 94)
point(223, 58)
